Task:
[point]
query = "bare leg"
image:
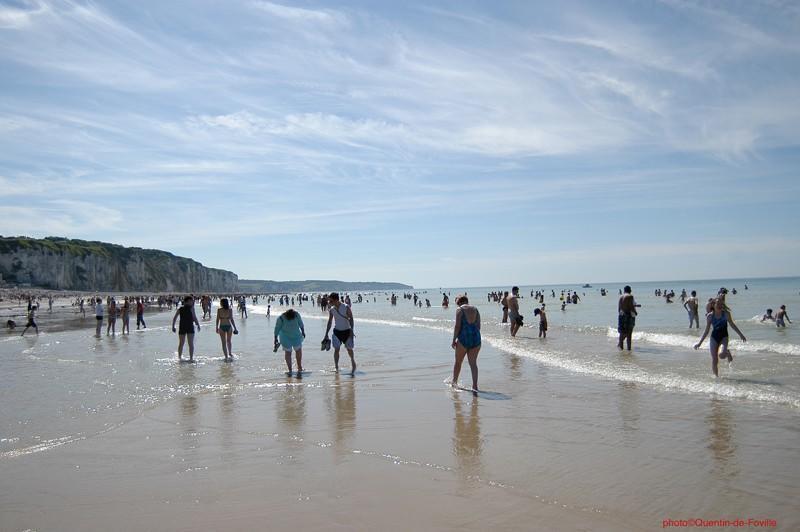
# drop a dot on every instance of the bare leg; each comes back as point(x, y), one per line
point(224, 344)
point(628, 337)
point(298, 353)
point(472, 358)
point(229, 335)
point(181, 340)
point(725, 353)
point(336, 359)
point(352, 361)
point(714, 348)
point(99, 328)
point(288, 356)
point(191, 346)
point(460, 354)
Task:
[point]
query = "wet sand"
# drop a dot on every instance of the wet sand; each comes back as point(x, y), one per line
point(240, 446)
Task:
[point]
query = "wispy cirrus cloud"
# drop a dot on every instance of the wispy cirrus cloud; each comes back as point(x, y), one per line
point(394, 113)
point(302, 15)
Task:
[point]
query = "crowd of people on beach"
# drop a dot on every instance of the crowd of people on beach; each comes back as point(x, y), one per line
point(289, 330)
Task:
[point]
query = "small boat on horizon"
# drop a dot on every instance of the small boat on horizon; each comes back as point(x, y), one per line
point(587, 285)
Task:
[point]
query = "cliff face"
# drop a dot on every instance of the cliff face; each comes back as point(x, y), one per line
point(63, 264)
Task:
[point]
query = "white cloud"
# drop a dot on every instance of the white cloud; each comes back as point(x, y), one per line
point(299, 14)
point(19, 18)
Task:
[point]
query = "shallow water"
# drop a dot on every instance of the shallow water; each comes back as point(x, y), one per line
point(568, 422)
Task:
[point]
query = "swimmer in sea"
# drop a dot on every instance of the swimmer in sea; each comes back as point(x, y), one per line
point(466, 340)
point(626, 320)
point(513, 311)
point(768, 316)
point(226, 327)
point(542, 322)
point(691, 305)
point(717, 322)
point(781, 316)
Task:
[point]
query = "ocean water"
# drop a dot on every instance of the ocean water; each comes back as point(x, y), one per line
point(560, 420)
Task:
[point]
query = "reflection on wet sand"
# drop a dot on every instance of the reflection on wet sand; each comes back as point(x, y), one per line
point(467, 441)
point(720, 431)
point(227, 410)
point(342, 408)
point(515, 364)
point(291, 408)
point(628, 405)
point(189, 406)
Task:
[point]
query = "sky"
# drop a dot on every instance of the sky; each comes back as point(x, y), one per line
point(457, 143)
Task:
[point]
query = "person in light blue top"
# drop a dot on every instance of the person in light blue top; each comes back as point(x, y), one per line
point(289, 333)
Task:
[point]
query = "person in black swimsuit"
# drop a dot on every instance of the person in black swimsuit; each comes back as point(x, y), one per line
point(185, 331)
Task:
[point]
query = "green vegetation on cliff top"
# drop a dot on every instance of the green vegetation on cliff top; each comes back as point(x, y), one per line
point(83, 248)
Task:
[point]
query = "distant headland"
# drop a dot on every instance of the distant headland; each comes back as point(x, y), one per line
point(285, 287)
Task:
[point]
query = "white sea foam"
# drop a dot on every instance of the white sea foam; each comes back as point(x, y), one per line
point(670, 380)
point(680, 340)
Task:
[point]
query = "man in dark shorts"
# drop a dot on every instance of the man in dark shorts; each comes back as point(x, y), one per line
point(626, 310)
point(185, 330)
point(98, 315)
point(31, 320)
point(341, 317)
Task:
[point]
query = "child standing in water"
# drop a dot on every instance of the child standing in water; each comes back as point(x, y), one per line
point(717, 322)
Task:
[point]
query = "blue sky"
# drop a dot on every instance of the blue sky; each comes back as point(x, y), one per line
point(432, 143)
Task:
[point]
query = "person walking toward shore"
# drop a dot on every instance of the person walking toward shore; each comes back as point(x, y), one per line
point(513, 311)
point(626, 319)
point(112, 317)
point(140, 314)
point(340, 314)
point(691, 305)
point(226, 327)
point(126, 316)
point(289, 334)
point(542, 322)
point(717, 322)
point(188, 319)
point(98, 315)
point(466, 340)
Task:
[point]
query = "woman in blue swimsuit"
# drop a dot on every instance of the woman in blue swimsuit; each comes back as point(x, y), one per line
point(466, 339)
point(717, 322)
